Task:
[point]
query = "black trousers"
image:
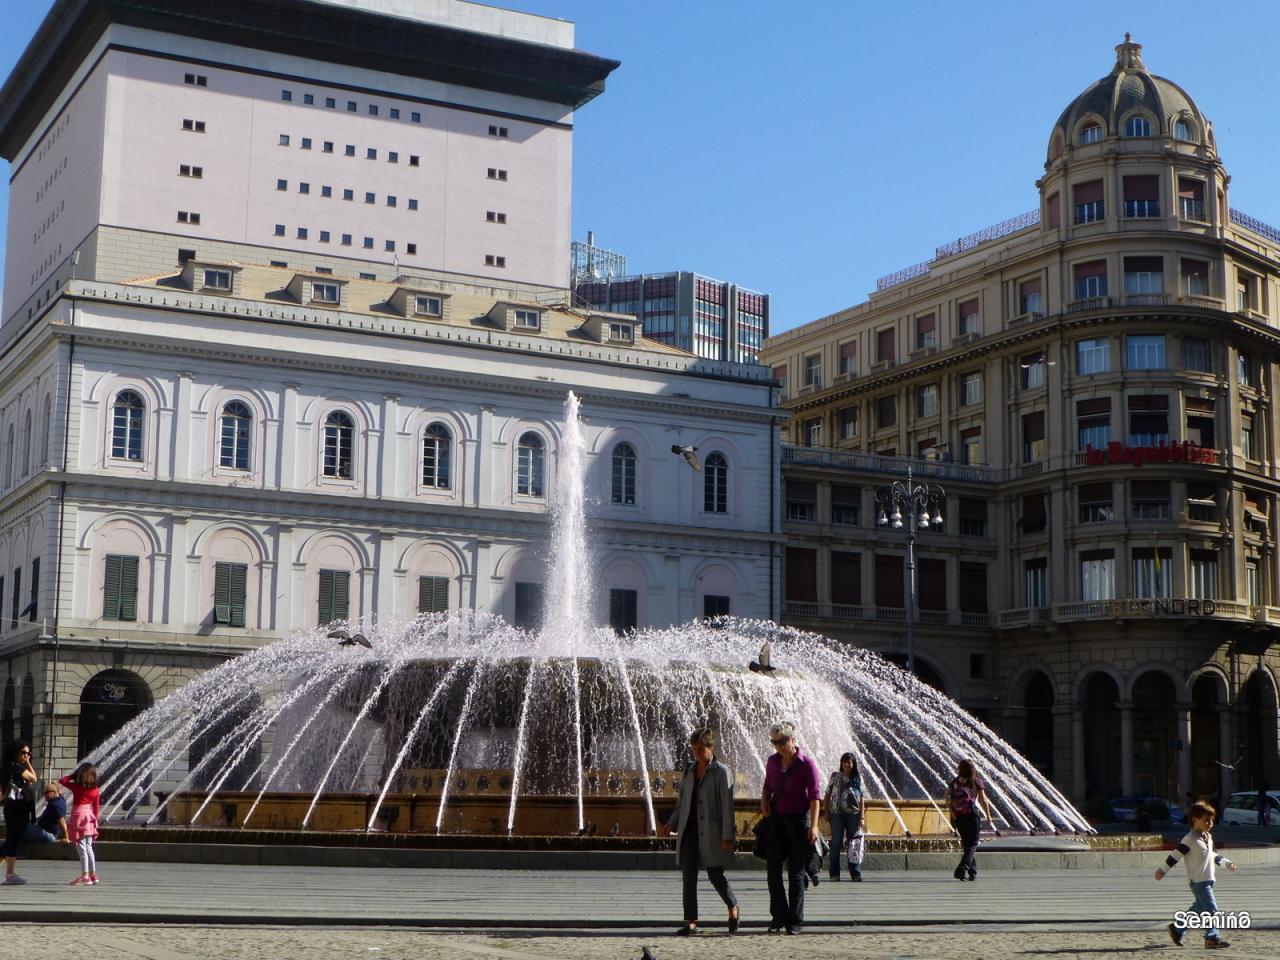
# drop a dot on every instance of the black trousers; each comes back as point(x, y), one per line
point(789, 848)
point(969, 825)
point(17, 814)
point(690, 864)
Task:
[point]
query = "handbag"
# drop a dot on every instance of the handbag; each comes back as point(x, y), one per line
point(857, 848)
point(766, 826)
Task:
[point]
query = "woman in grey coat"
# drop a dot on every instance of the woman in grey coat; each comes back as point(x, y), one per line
point(703, 820)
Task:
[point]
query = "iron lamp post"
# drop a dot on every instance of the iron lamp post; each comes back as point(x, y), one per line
point(915, 506)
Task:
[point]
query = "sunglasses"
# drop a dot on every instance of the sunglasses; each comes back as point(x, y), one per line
point(779, 742)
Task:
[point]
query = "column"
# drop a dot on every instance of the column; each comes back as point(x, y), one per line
point(387, 467)
point(182, 428)
point(287, 463)
point(169, 609)
point(671, 579)
point(822, 572)
point(279, 610)
point(482, 469)
point(1077, 754)
point(1226, 744)
point(1126, 746)
point(1184, 751)
point(1015, 727)
point(482, 568)
point(384, 577)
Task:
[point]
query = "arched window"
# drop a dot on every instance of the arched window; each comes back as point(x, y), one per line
point(1137, 127)
point(1091, 134)
point(9, 458)
point(237, 422)
point(436, 443)
point(715, 484)
point(530, 465)
point(624, 474)
point(27, 710)
point(126, 426)
point(339, 431)
point(1182, 130)
point(46, 420)
point(24, 462)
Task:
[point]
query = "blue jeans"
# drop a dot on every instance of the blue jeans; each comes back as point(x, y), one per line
point(35, 834)
point(843, 828)
point(1205, 903)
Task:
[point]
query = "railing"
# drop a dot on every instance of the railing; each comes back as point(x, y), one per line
point(875, 463)
point(1024, 617)
point(903, 275)
point(1146, 299)
point(1257, 226)
point(1025, 318)
point(1031, 469)
point(805, 609)
point(1141, 608)
point(1204, 303)
point(848, 611)
point(975, 619)
point(1088, 303)
point(993, 232)
point(891, 615)
point(799, 608)
point(932, 617)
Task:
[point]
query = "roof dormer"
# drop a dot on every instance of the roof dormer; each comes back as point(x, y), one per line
point(319, 290)
point(414, 303)
point(221, 279)
point(616, 328)
point(518, 317)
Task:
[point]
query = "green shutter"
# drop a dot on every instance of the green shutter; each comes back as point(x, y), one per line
point(326, 596)
point(433, 594)
point(222, 593)
point(128, 588)
point(341, 594)
point(110, 588)
point(237, 593)
point(35, 590)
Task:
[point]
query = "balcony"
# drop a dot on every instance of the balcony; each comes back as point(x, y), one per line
point(1203, 302)
point(805, 610)
point(1148, 608)
point(897, 466)
point(1146, 299)
point(1026, 318)
point(1088, 303)
point(1023, 617)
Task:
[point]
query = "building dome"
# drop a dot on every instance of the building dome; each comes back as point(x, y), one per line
point(1130, 102)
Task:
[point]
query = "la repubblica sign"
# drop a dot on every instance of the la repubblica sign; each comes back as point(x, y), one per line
point(1184, 452)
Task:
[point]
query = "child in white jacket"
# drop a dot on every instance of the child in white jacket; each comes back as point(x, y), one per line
point(1197, 849)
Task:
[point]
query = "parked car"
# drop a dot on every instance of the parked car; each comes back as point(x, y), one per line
point(1127, 809)
point(1243, 808)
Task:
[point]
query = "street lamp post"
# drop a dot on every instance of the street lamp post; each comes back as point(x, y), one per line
point(923, 505)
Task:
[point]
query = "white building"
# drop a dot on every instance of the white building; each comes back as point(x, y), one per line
point(213, 434)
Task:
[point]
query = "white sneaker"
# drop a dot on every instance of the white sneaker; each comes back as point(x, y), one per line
point(13, 880)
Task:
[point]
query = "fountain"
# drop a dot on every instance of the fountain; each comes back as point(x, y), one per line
point(459, 723)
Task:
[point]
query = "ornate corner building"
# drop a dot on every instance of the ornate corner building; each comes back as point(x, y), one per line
point(286, 341)
point(1093, 387)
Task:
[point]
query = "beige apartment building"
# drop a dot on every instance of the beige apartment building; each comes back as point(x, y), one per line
point(1092, 387)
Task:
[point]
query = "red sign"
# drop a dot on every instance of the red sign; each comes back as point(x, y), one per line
point(1184, 452)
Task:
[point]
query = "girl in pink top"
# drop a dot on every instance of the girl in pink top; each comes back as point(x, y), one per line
point(82, 824)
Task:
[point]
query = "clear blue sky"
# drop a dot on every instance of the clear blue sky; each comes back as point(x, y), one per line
point(806, 149)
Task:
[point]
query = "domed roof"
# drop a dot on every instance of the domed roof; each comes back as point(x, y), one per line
point(1128, 90)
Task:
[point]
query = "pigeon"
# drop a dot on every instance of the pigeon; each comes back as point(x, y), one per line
point(690, 455)
point(762, 664)
point(1230, 766)
point(347, 640)
point(647, 954)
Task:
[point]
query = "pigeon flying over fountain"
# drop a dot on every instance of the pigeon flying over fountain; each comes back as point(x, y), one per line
point(347, 640)
point(762, 664)
point(1230, 766)
point(690, 455)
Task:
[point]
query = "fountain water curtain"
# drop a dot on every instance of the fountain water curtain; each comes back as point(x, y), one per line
point(550, 723)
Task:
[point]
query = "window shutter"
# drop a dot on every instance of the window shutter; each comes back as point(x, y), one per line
point(433, 594)
point(1089, 192)
point(239, 574)
point(341, 594)
point(128, 588)
point(110, 588)
point(222, 593)
point(326, 596)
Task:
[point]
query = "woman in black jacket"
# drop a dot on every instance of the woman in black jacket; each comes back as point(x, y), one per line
point(17, 780)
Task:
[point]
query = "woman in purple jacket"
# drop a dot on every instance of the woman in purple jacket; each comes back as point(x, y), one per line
point(789, 800)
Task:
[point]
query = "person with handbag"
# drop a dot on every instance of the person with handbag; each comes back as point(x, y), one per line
point(17, 779)
point(703, 821)
point(967, 797)
point(789, 808)
point(845, 807)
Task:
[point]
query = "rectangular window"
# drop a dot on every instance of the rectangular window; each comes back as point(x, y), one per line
point(1053, 211)
point(335, 595)
point(714, 606)
point(286, 95)
point(885, 345)
point(284, 140)
point(371, 153)
point(886, 411)
point(325, 292)
point(1197, 355)
point(813, 370)
point(330, 103)
point(846, 505)
point(367, 243)
point(217, 279)
point(1142, 196)
point(1146, 352)
point(428, 306)
point(1247, 449)
point(927, 400)
point(415, 117)
point(889, 582)
point(393, 157)
point(282, 184)
point(495, 174)
point(348, 195)
point(391, 200)
point(1088, 202)
point(1195, 278)
point(326, 191)
point(193, 126)
point(373, 109)
point(926, 331)
point(394, 113)
point(349, 150)
point(971, 446)
point(848, 361)
point(306, 143)
point(973, 587)
point(433, 594)
point(230, 593)
point(1244, 369)
point(970, 389)
point(302, 233)
point(1143, 276)
point(370, 197)
point(309, 99)
point(351, 106)
point(1095, 502)
point(527, 320)
point(1149, 500)
point(304, 188)
point(848, 423)
point(328, 146)
point(1190, 198)
point(931, 584)
point(1035, 448)
point(1200, 422)
point(1035, 518)
point(1097, 575)
point(1032, 369)
point(1035, 576)
point(970, 319)
point(413, 205)
point(1093, 356)
point(846, 578)
point(389, 246)
point(411, 249)
point(801, 500)
point(17, 592)
point(1093, 423)
point(621, 333)
point(1152, 572)
point(1030, 299)
point(1148, 420)
point(1091, 279)
point(1252, 583)
point(622, 610)
point(346, 239)
point(185, 217)
point(528, 613)
point(491, 260)
point(119, 588)
point(1203, 575)
point(973, 517)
